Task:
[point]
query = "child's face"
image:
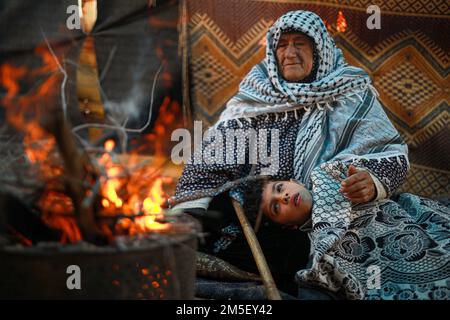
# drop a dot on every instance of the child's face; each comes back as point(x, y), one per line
point(286, 202)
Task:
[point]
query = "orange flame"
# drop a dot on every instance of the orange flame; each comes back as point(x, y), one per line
point(341, 23)
point(24, 111)
point(132, 203)
point(137, 193)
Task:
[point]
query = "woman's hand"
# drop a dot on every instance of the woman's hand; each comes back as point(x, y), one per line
point(359, 186)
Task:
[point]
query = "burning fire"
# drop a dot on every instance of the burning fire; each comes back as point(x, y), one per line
point(341, 23)
point(133, 197)
point(24, 111)
point(130, 193)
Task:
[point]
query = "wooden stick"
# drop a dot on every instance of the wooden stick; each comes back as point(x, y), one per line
point(183, 47)
point(261, 263)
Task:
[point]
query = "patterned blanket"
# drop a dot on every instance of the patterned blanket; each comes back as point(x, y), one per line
point(382, 250)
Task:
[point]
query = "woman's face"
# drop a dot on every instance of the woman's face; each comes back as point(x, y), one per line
point(294, 56)
point(286, 202)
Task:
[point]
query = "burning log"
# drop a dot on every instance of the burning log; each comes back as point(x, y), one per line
point(17, 219)
point(79, 176)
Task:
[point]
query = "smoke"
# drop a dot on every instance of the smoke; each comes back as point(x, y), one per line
point(129, 109)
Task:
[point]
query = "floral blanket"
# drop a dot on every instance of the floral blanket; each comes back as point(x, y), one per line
point(382, 250)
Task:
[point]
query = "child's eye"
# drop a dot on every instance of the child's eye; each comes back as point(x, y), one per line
point(276, 208)
point(279, 187)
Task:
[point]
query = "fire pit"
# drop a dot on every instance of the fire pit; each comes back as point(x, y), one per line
point(88, 196)
point(100, 214)
point(145, 266)
point(131, 249)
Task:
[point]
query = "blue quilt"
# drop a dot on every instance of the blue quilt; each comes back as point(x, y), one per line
point(385, 249)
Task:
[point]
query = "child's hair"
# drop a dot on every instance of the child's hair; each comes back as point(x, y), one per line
point(252, 197)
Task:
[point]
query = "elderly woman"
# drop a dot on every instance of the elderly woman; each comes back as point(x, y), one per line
point(333, 137)
point(323, 108)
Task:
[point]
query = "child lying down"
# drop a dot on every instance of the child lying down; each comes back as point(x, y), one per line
point(401, 238)
point(285, 202)
point(397, 237)
point(223, 238)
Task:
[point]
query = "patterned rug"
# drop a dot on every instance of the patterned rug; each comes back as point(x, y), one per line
point(408, 60)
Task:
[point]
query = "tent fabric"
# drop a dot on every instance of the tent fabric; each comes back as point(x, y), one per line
point(132, 41)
